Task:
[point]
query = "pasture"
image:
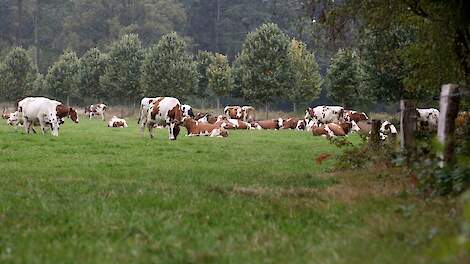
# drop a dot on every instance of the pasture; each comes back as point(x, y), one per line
point(101, 195)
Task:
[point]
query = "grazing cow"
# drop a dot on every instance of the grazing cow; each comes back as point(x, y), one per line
point(329, 130)
point(96, 110)
point(248, 113)
point(234, 112)
point(117, 122)
point(165, 111)
point(187, 110)
point(427, 119)
point(351, 115)
point(290, 123)
point(325, 114)
point(41, 109)
point(145, 104)
point(195, 128)
point(268, 124)
point(64, 111)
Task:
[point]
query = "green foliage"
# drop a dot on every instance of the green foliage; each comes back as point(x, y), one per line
point(62, 78)
point(92, 66)
point(39, 86)
point(306, 83)
point(220, 76)
point(168, 69)
point(204, 59)
point(344, 79)
point(264, 68)
point(122, 74)
point(17, 74)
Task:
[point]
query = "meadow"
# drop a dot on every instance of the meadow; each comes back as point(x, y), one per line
point(101, 195)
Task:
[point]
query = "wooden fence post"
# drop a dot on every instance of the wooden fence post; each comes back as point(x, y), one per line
point(374, 139)
point(448, 111)
point(408, 128)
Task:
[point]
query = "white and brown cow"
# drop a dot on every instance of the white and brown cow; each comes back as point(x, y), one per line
point(386, 129)
point(187, 110)
point(268, 124)
point(233, 111)
point(117, 122)
point(329, 130)
point(96, 110)
point(195, 128)
point(39, 109)
point(165, 111)
point(427, 119)
point(290, 123)
point(5, 114)
point(248, 113)
point(325, 114)
point(351, 115)
point(145, 104)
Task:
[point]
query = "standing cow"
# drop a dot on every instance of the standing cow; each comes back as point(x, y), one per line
point(324, 114)
point(39, 109)
point(145, 104)
point(96, 110)
point(166, 111)
point(248, 113)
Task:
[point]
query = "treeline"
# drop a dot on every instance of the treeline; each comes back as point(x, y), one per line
point(270, 65)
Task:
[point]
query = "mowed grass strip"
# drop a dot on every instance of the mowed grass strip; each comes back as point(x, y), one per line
point(104, 195)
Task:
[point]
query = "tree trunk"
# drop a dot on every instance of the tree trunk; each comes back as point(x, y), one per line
point(218, 103)
point(267, 108)
point(19, 5)
point(36, 39)
point(294, 105)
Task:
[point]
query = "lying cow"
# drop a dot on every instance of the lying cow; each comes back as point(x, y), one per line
point(427, 119)
point(165, 111)
point(325, 114)
point(96, 110)
point(351, 115)
point(290, 123)
point(248, 114)
point(117, 122)
point(268, 124)
point(39, 109)
point(234, 111)
point(195, 128)
point(386, 129)
point(329, 130)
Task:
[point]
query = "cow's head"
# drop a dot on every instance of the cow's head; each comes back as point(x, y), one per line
point(300, 125)
point(174, 129)
point(354, 127)
point(73, 115)
point(13, 119)
point(279, 122)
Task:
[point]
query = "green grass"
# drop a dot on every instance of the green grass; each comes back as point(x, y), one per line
point(101, 195)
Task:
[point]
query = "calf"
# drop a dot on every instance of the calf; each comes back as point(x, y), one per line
point(117, 122)
point(96, 110)
point(195, 128)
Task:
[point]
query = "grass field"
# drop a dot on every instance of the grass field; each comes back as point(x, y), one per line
point(100, 195)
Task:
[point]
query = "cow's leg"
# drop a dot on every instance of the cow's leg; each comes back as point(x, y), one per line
point(26, 125)
point(42, 123)
point(150, 128)
point(102, 116)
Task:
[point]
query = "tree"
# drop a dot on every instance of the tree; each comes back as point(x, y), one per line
point(122, 73)
point(344, 79)
point(204, 59)
point(264, 66)
point(168, 69)
point(220, 77)
point(92, 65)
point(62, 77)
point(306, 82)
point(17, 74)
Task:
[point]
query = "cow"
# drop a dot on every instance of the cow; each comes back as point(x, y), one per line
point(96, 110)
point(64, 111)
point(117, 122)
point(301, 125)
point(223, 121)
point(349, 127)
point(195, 128)
point(329, 130)
point(5, 114)
point(165, 111)
point(248, 113)
point(290, 123)
point(351, 115)
point(268, 124)
point(234, 112)
point(386, 128)
point(427, 119)
point(41, 109)
point(325, 114)
point(145, 104)
point(187, 110)
point(239, 124)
